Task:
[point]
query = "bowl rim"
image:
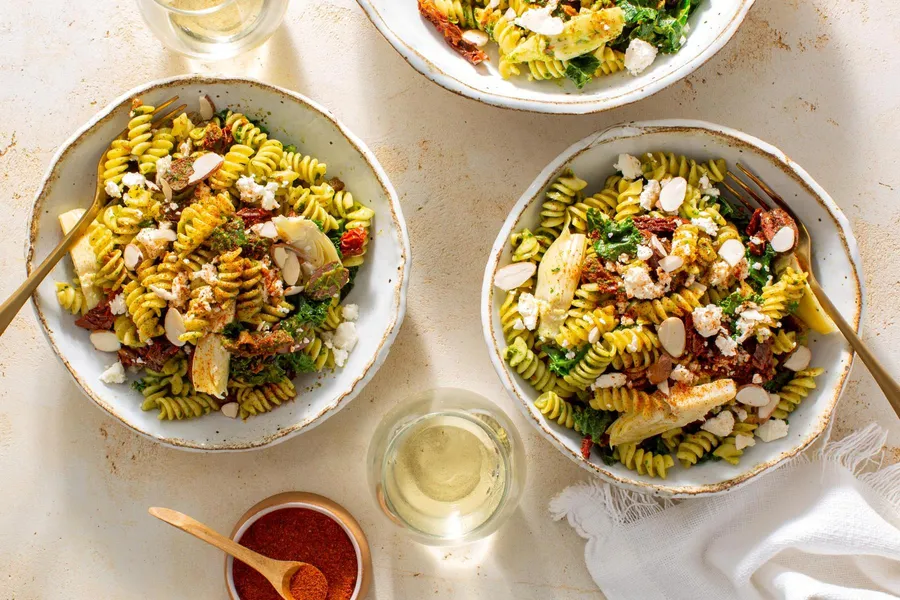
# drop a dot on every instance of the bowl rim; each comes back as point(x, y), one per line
point(400, 287)
point(574, 106)
point(319, 504)
point(638, 129)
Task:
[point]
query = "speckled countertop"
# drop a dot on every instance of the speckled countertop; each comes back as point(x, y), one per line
point(818, 78)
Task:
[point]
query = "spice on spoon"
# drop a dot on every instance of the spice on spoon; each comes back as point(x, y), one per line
point(308, 583)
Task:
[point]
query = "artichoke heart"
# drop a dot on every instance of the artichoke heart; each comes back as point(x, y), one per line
point(307, 239)
point(558, 277)
point(683, 405)
point(586, 32)
point(533, 48)
point(809, 310)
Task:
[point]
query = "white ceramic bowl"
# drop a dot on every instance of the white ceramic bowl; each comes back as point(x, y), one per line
point(592, 159)
point(380, 289)
point(712, 25)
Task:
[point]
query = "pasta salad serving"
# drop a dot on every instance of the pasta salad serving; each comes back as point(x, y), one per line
point(656, 319)
point(577, 40)
point(219, 268)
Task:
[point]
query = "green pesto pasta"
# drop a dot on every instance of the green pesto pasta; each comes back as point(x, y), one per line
point(223, 256)
point(653, 293)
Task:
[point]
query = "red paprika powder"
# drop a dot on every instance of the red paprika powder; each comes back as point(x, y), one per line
point(303, 535)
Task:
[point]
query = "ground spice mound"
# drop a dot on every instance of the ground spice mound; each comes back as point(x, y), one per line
point(303, 535)
point(308, 584)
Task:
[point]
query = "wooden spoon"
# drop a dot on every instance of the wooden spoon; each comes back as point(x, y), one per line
point(278, 572)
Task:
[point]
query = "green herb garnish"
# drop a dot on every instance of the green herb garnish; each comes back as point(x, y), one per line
point(561, 365)
point(782, 377)
point(760, 277)
point(581, 69)
point(730, 304)
point(594, 423)
point(228, 236)
point(616, 239)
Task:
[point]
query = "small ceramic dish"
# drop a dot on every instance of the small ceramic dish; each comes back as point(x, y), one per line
point(380, 288)
point(712, 25)
point(319, 504)
point(837, 267)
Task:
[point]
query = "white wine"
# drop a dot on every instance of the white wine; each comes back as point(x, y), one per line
point(445, 475)
point(216, 20)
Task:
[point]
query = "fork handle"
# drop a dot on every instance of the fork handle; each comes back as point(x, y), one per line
point(884, 380)
point(13, 304)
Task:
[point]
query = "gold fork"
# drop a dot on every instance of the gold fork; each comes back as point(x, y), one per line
point(803, 253)
point(11, 307)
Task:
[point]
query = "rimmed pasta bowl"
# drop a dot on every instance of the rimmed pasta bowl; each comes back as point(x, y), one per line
point(711, 27)
point(592, 160)
point(379, 289)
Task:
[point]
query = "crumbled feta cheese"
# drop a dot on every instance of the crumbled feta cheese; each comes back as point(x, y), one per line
point(519, 325)
point(756, 266)
point(528, 309)
point(720, 425)
point(112, 190)
point(629, 166)
point(639, 285)
point(181, 289)
point(644, 252)
point(739, 412)
point(681, 373)
point(340, 356)
point(134, 180)
point(750, 319)
point(726, 345)
point(345, 336)
point(757, 241)
point(254, 193)
point(162, 167)
point(639, 56)
point(115, 373)
point(570, 355)
point(207, 273)
point(706, 225)
point(117, 305)
point(154, 242)
point(610, 380)
point(706, 188)
point(650, 194)
point(350, 312)
point(742, 441)
point(707, 319)
point(540, 20)
point(594, 336)
point(757, 378)
point(719, 274)
point(742, 269)
point(510, 14)
point(772, 429)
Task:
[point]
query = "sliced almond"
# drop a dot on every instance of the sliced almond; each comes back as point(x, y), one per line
point(290, 272)
point(167, 235)
point(672, 336)
point(266, 230)
point(672, 195)
point(766, 411)
point(166, 189)
point(231, 409)
point(658, 246)
point(742, 441)
point(476, 37)
point(207, 108)
point(132, 255)
point(174, 327)
point(204, 166)
point(732, 251)
point(799, 359)
point(671, 263)
point(512, 276)
point(279, 255)
point(105, 341)
point(753, 395)
point(293, 290)
point(663, 387)
point(783, 240)
point(698, 288)
point(594, 336)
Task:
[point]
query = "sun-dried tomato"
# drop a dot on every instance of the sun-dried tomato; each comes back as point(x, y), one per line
point(99, 318)
point(336, 184)
point(756, 248)
point(657, 225)
point(216, 139)
point(260, 343)
point(753, 225)
point(772, 221)
point(252, 216)
point(353, 242)
point(763, 360)
point(695, 344)
point(153, 356)
point(451, 32)
point(586, 444)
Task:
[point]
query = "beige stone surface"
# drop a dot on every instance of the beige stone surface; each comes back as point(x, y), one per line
point(817, 78)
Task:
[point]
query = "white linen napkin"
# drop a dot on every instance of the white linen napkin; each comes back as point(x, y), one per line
point(823, 526)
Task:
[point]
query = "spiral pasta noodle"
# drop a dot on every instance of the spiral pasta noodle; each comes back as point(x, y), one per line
point(255, 400)
point(70, 298)
point(643, 461)
point(695, 446)
point(556, 409)
point(794, 392)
